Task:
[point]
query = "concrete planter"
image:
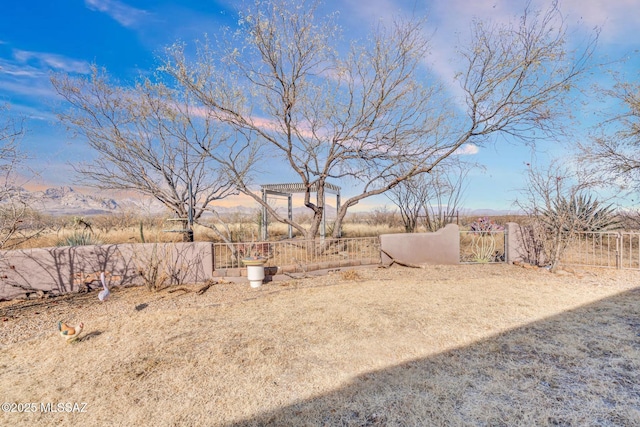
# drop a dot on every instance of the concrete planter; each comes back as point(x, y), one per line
point(255, 270)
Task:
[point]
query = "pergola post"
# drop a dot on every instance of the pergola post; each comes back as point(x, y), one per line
point(287, 190)
point(290, 214)
point(265, 234)
point(323, 226)
point(338, 210)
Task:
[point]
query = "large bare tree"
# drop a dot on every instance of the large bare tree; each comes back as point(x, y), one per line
point(612, 149)
point(373, 117)
point(10, 154)
point(144, 138)
point(18, 221)
point(362, 117)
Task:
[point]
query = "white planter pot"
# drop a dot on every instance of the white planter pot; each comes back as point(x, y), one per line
point(255, 271)
point(255, 274)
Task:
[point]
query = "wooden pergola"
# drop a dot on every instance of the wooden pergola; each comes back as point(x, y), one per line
point(287, 190)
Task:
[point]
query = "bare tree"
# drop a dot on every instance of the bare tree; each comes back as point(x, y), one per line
point(144, 138)
point(559, 205)
point(410, 196)
point(434, 197)
point(330, 118)
point(18, 221)
point(374, 117)
point(612, 149)
point(447, 189)
point(11, 131)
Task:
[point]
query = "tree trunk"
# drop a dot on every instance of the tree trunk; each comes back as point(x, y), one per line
point(187, 233)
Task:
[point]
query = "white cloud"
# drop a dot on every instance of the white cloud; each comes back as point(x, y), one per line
point(126, 15)
point(374, 9)
point(27, 88)
point(24, 78)
point(14, 70)
point(467, 150)
point(51, 60)
point(618, 19)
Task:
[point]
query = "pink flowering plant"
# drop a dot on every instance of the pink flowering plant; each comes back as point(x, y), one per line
point(484, 226)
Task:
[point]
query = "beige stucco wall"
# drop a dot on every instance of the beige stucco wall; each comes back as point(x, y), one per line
point(518, 249)
point(59, 270)
point(441, 247)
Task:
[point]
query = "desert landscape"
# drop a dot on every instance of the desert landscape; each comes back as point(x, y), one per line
point(489, 344)
point(308, 143)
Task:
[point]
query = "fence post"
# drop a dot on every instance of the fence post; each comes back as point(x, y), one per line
point(618, 251)
point(505, 236)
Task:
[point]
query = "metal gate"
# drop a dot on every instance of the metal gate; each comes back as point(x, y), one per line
point(482, 247)
point(608, 249)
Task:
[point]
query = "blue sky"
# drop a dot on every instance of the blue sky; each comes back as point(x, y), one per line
point(38, 37)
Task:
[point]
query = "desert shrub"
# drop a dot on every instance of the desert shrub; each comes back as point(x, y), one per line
point(383, 216)
point(79, 238)
point(350, 275)
point(150, 268)
point(579, 213)
point(162, 265)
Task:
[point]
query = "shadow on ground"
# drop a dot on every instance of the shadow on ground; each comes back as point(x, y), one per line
point(581, 367)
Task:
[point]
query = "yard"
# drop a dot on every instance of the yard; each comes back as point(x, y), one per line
point(446, 345)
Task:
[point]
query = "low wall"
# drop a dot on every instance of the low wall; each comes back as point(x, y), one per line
point(440, 247)
point(71, 269)
point(520, 246)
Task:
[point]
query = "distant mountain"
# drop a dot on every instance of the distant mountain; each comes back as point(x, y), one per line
point(490, 212)
point(68, 201)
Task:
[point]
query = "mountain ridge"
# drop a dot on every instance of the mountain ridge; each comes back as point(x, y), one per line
point(65, 200)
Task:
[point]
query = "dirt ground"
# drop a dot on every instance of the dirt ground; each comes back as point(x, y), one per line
point(456, 345)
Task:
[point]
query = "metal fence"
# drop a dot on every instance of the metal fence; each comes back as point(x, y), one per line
point(609, 249)
point(482, 246)
point(300, 252)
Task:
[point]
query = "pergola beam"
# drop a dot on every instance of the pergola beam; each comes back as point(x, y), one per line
point(286, 190)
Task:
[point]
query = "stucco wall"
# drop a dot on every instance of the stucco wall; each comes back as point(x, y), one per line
point(520, 246)
point(441, 247)
point(70, 269)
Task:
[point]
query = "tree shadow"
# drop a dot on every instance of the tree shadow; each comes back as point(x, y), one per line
point(60, 270)
point(91, 335)
point(581, 367)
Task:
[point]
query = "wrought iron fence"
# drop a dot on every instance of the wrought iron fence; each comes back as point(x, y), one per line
point(629, 252)
point(482, 246)
point(594, 249)
point(299, 252)
point(609, 249)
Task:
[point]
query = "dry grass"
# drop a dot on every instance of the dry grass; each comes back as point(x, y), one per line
point(154, 230)
point(465, 345)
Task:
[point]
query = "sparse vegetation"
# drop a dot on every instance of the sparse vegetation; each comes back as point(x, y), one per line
point(559, 204)
point(150, 266)
point(579, 212)
point(79, 238)
point(467, 345)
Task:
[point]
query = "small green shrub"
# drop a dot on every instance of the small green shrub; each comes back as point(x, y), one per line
point(79, 238)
